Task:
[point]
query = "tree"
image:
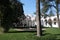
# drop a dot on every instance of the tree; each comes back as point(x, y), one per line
point(50, 14)
point(11, 10)
point(4, 6)
point(47, 6)
point(57, 3)
point(38, 19)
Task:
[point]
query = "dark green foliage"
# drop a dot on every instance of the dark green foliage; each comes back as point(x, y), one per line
point(11, 10)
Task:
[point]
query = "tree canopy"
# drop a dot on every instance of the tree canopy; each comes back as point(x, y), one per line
point(10, 10)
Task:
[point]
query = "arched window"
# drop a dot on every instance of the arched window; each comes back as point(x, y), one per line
point(50, 22)
point(55, 20)
point(45, 21)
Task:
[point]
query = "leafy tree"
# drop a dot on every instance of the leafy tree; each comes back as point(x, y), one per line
point(11, 10)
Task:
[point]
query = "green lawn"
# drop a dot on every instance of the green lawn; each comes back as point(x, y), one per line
point(48, 34)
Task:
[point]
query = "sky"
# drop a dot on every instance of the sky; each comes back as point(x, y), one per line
point(29, 6)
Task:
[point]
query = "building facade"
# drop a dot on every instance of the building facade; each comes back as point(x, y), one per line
point(46, 22)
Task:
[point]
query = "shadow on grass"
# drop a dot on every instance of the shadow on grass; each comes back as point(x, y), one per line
point(21, 31)
point(50, 36)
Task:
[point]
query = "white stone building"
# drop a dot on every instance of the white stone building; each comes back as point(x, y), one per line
point(49, 21)
point(46, 22)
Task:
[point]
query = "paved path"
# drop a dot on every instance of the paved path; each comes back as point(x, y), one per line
point(27, 29)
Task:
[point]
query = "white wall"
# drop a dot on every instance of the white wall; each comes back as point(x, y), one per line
point(52, 18)
point(32, 21)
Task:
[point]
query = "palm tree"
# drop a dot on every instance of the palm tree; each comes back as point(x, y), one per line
point(39, 29)
point(46, 7)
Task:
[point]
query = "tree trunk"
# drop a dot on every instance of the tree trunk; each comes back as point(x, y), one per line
point(58, 15)
point(38, 18)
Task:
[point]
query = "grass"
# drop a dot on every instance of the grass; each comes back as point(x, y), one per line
point(48, 34)
point(53, 32)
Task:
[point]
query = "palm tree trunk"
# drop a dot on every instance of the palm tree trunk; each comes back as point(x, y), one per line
point(38, 19)
point(57, 15)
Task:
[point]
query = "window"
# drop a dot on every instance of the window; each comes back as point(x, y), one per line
point(46, 22)
point(55, 23)
point(50, 22)
point(54, 19)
